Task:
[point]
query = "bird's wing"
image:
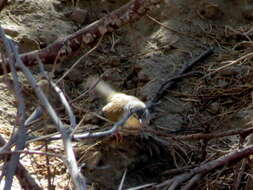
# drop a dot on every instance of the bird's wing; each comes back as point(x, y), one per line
point(113, 111)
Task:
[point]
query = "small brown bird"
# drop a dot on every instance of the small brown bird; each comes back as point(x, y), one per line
point(120, 104)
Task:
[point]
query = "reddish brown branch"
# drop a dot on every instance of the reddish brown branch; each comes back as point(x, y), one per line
point(128, 13)
point(207, 167)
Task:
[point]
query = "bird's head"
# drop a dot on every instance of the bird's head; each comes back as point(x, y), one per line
point(142, 114)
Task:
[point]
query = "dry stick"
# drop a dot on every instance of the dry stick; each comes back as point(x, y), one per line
point(170, 83)
point(65, 48)
point(247, 56)
point(165, 26)
point(25, 180)
point(194, 137)
point(63, 99)
point(13, 137)
point(122, 180)
point(87, 135)
point(200, 136)
point(49, 173)
point(76, 176)
point(192, 182)
point(21, 132)
point(239, 174)
point(141, 186)
point(207, 167)
point(79, 60)
point(86, 91)
point(32, 152)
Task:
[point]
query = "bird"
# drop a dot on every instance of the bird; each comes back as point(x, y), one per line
point(120, 104)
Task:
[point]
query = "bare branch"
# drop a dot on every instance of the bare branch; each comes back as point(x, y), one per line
point(242, 132)
point(122, 180)
point(207, 167)
point(25, 180)
point(63, 99)
point(89, 35)
point(77, 178)
point(170, 83)
point(21, 132)
point(88, 135)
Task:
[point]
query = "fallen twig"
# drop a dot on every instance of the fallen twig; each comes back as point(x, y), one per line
point(247, 56)
point(171, 82)
point(200, 136)
point(24, 178)
point(128, 13)
point(207, 167)
point(21, 131)
point(122, 180)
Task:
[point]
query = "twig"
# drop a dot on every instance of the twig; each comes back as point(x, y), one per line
point(141, 186)
point(32, 152)
point(170, 83)
point(192, 182)
point(21, 132)
point(88, 135)
point(239, 173)
point(163, 25)
point(80, 59)
point(204, 168)
point(90, 88)
point(76, 176)
point(49, 173)
point(128, 13)
point(59, 92)
point(122, 180)
point(25, 180)
point(242, 132)
point(247, 56)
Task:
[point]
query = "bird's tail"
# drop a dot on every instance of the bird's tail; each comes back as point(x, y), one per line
point(100, 86)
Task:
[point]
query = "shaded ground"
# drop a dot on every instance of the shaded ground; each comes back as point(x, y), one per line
point(136, 59)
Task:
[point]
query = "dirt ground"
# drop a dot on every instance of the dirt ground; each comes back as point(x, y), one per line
point(136, 59)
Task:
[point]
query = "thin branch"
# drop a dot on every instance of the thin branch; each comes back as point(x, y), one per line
point(21, 132)
point(141, 186)
point(122, 180)
point(32, 152)
point(88, 135)
point(80, 59)
point(201, 136)
point(192, 182)
point(63, 99)
point(234, 156)
point(25, 180)
point(77, 178)
point(89, 35)
point(171, 82)
point(247, 56)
